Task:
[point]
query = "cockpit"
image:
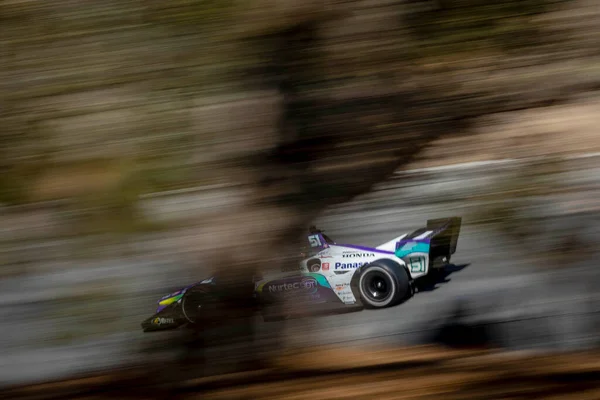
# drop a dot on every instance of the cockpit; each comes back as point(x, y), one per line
point(317, 241)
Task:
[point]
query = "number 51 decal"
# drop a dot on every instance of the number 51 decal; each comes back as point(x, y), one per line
point(314, 240)
point(417, 264)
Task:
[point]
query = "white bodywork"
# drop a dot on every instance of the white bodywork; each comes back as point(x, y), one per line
point(327, 274)
point(339, 262)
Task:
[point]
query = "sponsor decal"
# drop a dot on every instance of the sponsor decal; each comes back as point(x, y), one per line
point(349, 265)
point(417, 264)
point(325, 266)
point(348, 299)
point(315, 241)
point(340, 287)
point(357, 255)
point(324, 254)
point(305, 284)
point(162, 321)
point(309, 281)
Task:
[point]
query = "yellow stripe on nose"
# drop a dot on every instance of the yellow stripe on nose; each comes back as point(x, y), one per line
point(170, 300)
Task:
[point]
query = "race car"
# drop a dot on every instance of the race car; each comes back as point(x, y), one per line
point(330, 275)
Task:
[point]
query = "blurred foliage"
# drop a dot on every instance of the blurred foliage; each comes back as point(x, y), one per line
point(195, 15)
point(446, 27)
point(122, 81)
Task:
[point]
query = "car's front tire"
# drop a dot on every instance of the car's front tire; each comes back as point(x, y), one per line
point(383, 283)
point(200, 306)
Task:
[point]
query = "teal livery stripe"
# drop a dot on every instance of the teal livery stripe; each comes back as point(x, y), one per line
point(412, 247)
point(321, 280)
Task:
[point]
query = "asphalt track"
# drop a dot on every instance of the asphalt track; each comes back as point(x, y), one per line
point(541, 309)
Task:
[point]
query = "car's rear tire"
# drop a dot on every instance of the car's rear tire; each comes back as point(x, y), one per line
point(383, 283)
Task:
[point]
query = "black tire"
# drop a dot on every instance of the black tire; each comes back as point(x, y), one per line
point(313, 265)
point(383, 283)
point(199, 305)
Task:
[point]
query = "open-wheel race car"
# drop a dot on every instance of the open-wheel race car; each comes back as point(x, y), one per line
point(330, 275)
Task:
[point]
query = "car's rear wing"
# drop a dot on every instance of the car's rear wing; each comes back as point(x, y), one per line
point(430, 246)
point(444, 237)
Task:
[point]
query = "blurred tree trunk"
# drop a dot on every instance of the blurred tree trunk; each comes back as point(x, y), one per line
point(334, 142)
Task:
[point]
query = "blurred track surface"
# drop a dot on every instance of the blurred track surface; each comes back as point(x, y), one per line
point(541, 308)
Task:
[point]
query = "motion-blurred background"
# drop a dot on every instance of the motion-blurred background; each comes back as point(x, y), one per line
point(148, 144)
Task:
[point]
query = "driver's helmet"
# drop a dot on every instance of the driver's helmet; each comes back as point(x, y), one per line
point(313, 230)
